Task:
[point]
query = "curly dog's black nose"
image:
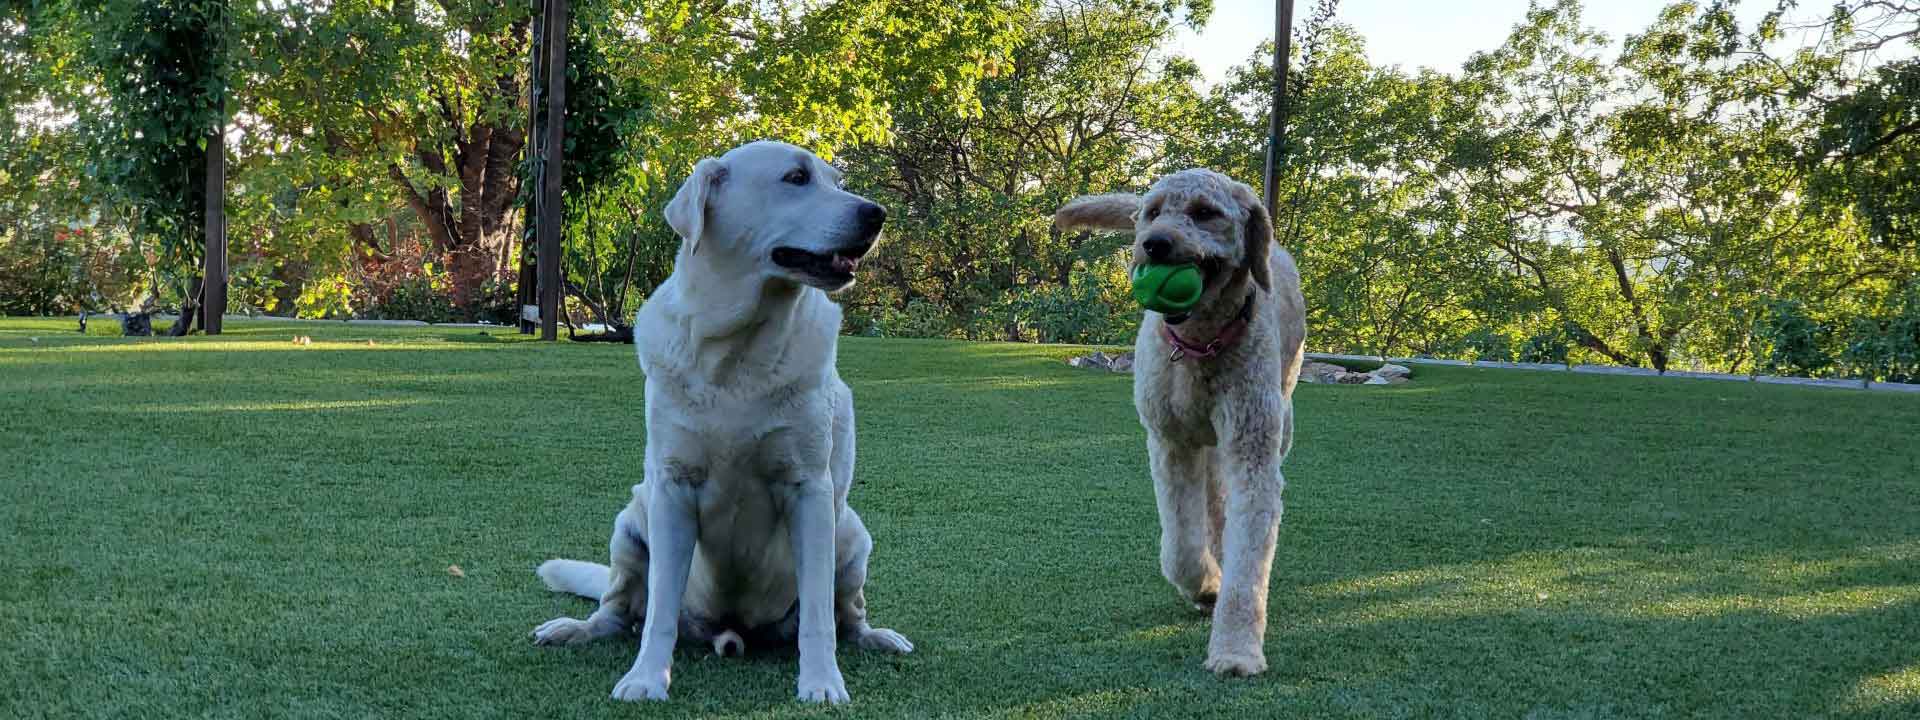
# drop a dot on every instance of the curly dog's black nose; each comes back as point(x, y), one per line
point(1157, 247)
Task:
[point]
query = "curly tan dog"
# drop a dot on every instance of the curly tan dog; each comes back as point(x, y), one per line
point(1214, 388)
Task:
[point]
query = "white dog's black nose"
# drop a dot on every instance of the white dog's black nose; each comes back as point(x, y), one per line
point(1157, 247)
point(870, 217)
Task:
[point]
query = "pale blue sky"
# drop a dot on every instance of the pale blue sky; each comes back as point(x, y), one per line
point(1411, 33)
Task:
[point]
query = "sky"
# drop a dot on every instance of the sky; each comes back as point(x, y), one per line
point(1411, 33)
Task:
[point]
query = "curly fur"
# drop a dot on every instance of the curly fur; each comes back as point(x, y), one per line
point(1217, 429)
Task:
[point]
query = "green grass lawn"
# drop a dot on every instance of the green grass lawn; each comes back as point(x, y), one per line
point(240, 527)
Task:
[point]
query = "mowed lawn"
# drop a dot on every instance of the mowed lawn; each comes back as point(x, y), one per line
point(241, 527)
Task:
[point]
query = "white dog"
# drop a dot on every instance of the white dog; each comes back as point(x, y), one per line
point(1214, 388)
point(741, 530)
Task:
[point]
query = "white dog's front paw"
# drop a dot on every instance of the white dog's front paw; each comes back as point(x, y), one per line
point(823, 686)
point(1236, 663)
point(561, 631)
point(641, 685)
point(885, 640)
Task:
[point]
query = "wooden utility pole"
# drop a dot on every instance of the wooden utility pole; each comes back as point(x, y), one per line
point(551, 169)
point(214, 301)
point(525, 291)
point(1277, 123)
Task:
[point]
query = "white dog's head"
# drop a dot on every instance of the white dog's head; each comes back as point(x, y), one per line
point(772, 208)
point(1197, 216)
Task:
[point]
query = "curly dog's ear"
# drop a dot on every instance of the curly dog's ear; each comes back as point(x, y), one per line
point(1113, 211)
point(687, 212)
point(1258, 231)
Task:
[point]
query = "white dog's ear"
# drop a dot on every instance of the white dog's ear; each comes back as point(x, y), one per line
point(1258, 230)
point(687, 212)
point(1113, 211)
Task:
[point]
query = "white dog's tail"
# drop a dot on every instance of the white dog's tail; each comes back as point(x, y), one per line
point(588, 580)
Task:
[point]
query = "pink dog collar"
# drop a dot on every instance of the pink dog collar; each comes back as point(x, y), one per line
point(1227, 337)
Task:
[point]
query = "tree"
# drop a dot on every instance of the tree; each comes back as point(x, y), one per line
point(663, 84)
point(423, 97)
point(1084, 105)
point(161, 68)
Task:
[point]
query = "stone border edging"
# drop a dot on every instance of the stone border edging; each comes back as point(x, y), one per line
point(1846, 383)
point(276, 318)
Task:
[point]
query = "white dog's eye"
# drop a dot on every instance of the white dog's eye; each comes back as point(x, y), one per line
point(1202, 213)
point(797, 176)
point(1153, 213)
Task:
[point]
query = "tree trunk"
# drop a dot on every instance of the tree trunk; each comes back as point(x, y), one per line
point(472, 235)
point(189, 310)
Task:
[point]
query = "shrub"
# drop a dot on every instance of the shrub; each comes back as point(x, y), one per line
point(1887, 347)
point(414, 298)
point(1079, 314)
point(1483, 344)
point(1548, 346)
point(1795, 344)
point(328, 297)
point(919, 319)
point(59, 270)
point(252, 286)
point(497, 303)
point(33, 276)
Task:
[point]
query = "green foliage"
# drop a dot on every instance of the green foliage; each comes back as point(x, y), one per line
point(253, 287)
point(328, 298)
point(48, 271)
point(1797, 344)
point(1865, 155)
point(36, 276)
point(1085, 104)
point(162, 67)
point(1087, 311)
point(1547, 346)
point(422, 297)
point(1886, 347)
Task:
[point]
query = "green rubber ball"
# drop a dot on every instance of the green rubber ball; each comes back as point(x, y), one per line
point(1167, 288)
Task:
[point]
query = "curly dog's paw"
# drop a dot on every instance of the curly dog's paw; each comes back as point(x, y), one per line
point(1236, 664)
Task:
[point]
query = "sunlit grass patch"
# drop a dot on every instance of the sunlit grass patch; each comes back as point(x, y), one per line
point(1895, 690)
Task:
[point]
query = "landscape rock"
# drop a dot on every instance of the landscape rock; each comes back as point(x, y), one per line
point(1391, 371)
point(1121, 363)
point(1320, 372)
point(1313, 371)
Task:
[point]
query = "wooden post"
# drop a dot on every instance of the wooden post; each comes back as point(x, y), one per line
point(214, 302)
point(551, 169)
point(525, 290)
point(1277, 122)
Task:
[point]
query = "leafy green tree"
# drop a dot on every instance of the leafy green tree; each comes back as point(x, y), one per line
point(162, 81)
point(1085, 103)
point(385, 101)
point(1866, 152)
